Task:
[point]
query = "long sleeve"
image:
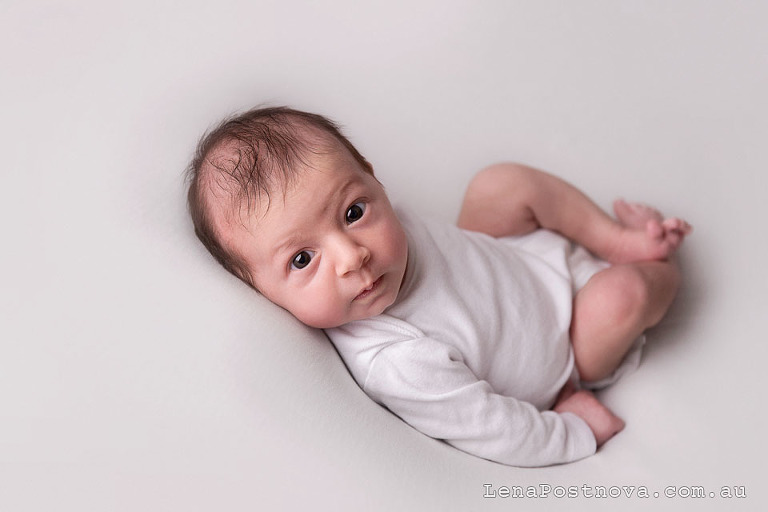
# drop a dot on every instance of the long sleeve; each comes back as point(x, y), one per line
point(426, 383)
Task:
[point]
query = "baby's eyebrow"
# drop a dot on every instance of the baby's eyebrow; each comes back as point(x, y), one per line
point(341, 193)
point(291, 241)
point(336, 200)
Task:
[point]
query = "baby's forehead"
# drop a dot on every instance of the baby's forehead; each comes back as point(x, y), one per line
point(287, 214)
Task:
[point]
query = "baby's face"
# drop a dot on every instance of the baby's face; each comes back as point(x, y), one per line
point(334, 251)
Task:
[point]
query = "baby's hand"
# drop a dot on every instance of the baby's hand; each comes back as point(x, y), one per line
point(601, 420)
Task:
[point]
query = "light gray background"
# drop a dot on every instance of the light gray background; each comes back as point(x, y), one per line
point(135, 374)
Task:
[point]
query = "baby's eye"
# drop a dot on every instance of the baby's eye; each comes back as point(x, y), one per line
point(355, 212)
point(301, 260)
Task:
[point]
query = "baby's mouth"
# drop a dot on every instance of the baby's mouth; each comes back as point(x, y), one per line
point(369, 290)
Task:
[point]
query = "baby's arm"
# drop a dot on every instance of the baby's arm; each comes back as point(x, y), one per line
point(427, 384)
point(511, 199)
point(603, 423)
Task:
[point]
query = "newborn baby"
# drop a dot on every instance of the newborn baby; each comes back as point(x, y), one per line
point(483, 334)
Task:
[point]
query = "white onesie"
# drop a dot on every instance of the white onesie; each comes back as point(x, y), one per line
point(476, 347)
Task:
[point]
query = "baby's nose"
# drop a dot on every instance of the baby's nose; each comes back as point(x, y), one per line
point(351, 257)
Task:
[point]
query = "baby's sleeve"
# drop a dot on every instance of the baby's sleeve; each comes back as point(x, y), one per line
point(426, 383)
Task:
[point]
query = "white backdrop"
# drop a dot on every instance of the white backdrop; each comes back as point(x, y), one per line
point(135, 374)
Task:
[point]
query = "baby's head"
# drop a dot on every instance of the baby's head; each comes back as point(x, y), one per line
point(287, 204)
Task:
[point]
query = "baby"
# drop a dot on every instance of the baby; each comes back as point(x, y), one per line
point(483, 335)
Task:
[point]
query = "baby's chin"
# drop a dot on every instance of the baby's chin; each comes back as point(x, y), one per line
point(325, 322)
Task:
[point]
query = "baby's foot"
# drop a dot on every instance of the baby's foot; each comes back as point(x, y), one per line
point(647, 235)
point(601, 420)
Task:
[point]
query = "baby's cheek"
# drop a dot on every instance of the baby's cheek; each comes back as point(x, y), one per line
point(396, 247)
point(320, 312)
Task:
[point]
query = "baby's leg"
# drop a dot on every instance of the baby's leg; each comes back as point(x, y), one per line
point(511, 199)
point(614, 308)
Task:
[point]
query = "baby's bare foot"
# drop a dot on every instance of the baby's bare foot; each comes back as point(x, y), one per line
point(635, 215)
point(603, 423)
point(647, 235)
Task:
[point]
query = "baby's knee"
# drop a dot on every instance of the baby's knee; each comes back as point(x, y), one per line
point(502, 176)
point(496, 201)
point(628, 296)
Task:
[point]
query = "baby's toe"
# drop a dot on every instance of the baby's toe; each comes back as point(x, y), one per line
point(677, 225)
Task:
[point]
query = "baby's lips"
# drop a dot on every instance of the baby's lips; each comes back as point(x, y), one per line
point(368, 288)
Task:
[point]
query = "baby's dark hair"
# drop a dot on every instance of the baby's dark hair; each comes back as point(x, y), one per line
point(246, 158)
